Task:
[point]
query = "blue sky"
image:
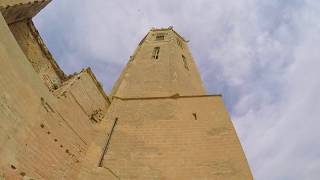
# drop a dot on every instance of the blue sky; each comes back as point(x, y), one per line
point(262, 55)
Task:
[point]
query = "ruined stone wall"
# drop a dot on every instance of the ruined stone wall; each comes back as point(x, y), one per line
point(43, 134)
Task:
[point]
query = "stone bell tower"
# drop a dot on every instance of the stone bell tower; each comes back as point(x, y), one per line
point(161, 66)
point(165, 126)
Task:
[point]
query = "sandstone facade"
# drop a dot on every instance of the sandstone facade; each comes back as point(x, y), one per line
point(157, 123)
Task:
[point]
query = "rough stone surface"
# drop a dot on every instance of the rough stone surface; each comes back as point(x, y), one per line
point(43, 134)
point(174, 139)
point(157, 123)
point(167, 128)
point(146, 76)
point(17, 10)
point(36, 52)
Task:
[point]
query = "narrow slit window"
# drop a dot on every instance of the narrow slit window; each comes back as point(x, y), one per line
point(195, 116)
point(185, 62)
point(156, 52)
point(159, 37)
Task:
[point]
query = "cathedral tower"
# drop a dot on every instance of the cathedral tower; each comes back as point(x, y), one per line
point(165, 126)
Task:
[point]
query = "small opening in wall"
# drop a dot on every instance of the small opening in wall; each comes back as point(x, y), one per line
point(55, 140)
point(42, 125)
point(156, 52)
point(195, 116)
point(13, 167)
point(22, 173)
point(55, 87)
point(61, 146)
point(48, 132)
point(185, 63)
point(159, 37)
point(67, 151)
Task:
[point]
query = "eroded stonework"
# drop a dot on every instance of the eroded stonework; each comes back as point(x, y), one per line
point(157, 123)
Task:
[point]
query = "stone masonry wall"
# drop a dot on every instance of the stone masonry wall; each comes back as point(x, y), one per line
point(43, 135)
point(174, 138)
point(42, 62)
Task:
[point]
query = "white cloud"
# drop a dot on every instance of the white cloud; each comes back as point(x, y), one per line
point(262, 55)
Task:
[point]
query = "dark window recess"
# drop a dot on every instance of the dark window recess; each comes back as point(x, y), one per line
point(195, 116)
point(179, 43)
point(155, 54)
point(159, 37)
point(185, 62)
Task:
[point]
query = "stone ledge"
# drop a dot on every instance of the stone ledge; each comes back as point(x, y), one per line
point(174, 96)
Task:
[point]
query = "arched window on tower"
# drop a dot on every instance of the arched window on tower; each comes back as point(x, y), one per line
point(155, 54)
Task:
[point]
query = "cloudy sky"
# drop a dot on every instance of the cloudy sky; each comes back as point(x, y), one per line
point(262, 55)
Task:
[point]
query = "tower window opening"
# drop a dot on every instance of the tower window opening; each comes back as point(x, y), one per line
point(195, 116)
point(185, 62)
point(156, 52)
point(159, 37)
